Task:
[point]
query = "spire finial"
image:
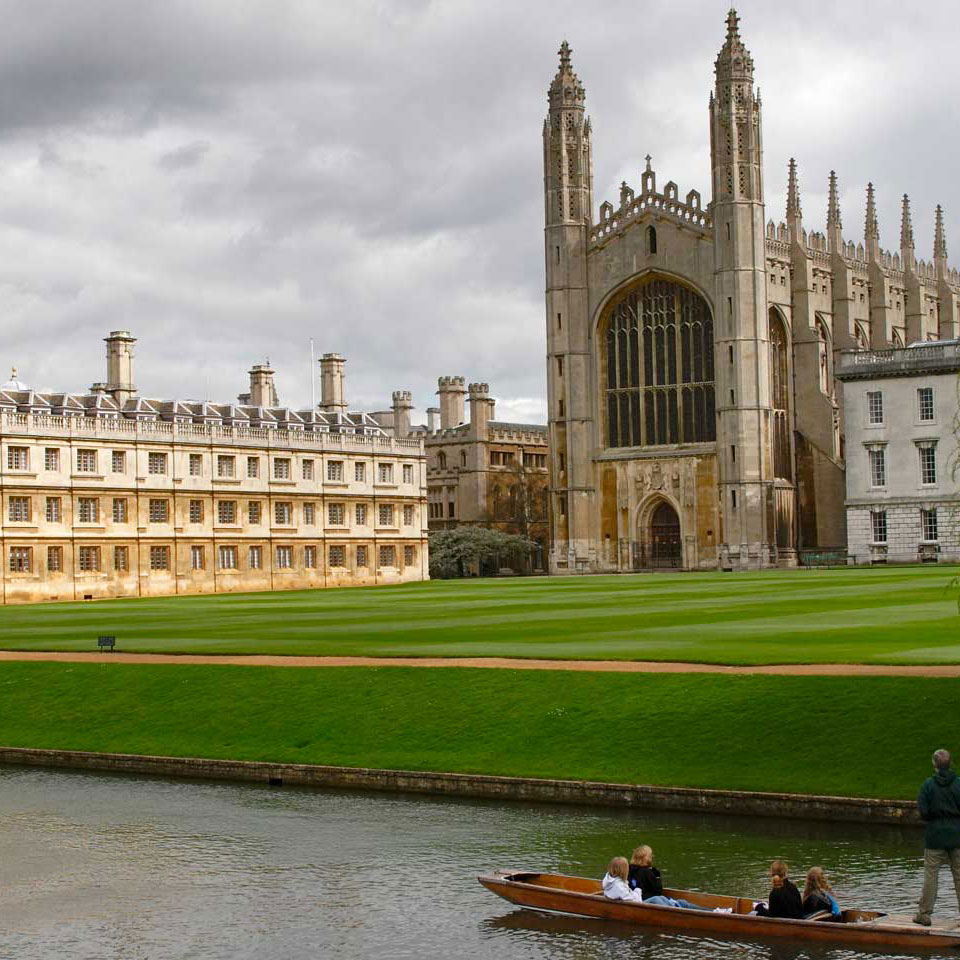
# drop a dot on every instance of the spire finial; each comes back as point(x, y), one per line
point(648, 158)
point(733, 25)
point(833, 203)
point(565, 81)
point(871, 228)
point(13, 373)
point(939, 237)
point(793, 193)
point(906, 226)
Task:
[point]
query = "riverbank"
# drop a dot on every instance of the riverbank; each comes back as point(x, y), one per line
point(475, 786)
point(866, 737)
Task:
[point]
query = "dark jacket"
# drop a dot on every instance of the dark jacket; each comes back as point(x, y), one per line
point(784, 902)
point(647, 879)
point(818, 900)
point(939, 804)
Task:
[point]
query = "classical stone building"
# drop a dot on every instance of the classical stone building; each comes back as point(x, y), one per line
point(695, 420)
point(480, 471)
point(110, 493)
point(901, 417)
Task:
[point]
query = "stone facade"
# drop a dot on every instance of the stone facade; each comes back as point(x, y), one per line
point(112, 494)
point(695, 420)
point(480, 472)
point(901, 417)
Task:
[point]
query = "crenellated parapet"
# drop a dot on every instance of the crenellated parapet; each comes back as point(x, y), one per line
point(667, 206)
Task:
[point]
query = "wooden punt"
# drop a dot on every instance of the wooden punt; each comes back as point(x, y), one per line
point(582, 896)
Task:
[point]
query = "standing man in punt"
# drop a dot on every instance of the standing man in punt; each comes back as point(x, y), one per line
point(939, 804)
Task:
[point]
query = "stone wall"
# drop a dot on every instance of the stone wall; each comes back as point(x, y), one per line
point(778, 805)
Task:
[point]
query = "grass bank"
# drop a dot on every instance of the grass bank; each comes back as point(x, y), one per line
point(867, 737)
point(867, 615)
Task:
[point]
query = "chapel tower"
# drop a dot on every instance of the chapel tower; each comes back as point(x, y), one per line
point(749, 508)
point(568, 202)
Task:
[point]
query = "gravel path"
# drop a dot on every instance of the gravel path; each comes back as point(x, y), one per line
point(502, 663)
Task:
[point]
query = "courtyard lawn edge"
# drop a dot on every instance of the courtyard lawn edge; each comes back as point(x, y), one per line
point(838, 736)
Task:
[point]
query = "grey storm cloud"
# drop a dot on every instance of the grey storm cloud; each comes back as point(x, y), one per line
point(229, 179)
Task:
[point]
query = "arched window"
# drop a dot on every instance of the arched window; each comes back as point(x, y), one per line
point(463, 458)
point(823, 356)
point(659, 367)
point(651, 240)
point(780, 396)
point(442, 460)
point(863, 341)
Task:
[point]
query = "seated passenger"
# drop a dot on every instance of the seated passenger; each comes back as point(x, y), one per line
point(645, 877)
point(785, 899)
point(817, 894)
point(615, 886)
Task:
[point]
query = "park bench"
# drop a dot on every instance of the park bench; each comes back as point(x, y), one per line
point(106, 643)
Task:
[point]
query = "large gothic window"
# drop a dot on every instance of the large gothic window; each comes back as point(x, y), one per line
point(659, 362)
point(780, 395)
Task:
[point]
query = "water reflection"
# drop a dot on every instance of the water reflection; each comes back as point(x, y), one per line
point(94, 866)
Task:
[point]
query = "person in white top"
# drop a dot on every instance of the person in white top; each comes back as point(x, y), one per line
point(615, 886)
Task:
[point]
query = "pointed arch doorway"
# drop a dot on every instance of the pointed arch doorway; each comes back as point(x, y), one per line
point(665, 536)
point(660, 546)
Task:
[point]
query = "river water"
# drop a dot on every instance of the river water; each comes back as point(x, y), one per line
point(121, 868)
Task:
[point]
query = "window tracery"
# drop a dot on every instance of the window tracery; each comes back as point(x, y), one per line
point(823, 357)
point(659, 365)
point(780, 397)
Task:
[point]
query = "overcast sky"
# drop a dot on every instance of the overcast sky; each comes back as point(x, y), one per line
point(228, 178)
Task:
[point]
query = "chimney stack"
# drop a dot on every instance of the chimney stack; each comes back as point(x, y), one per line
point(263, 392)
point(402, 405)
point(433, 419)
point(481, 408)
point(450, 390)
point(120, 365)
point(331, 384)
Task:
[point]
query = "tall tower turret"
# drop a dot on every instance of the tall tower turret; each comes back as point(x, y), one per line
point(744, 415)
point(834, 223)
point(881, 314)
point(939, 243)
point(871, 228)
point(906, 236)
point(794, 213)
point(949, 306)
point(568, 205)
point(916, 322)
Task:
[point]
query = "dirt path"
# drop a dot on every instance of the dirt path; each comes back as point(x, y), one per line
point(502, 663)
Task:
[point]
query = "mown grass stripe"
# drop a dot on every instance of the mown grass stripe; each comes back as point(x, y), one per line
point(895, 615)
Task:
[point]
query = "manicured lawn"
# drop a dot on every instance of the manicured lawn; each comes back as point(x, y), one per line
point(879, 615)
point(837, 735)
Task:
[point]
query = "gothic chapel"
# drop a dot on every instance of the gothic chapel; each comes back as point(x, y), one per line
point(694, 418)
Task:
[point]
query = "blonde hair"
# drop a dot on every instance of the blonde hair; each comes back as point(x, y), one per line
point(642, 856)
point(619, 868)
point(816, 880)
point(779, 871)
